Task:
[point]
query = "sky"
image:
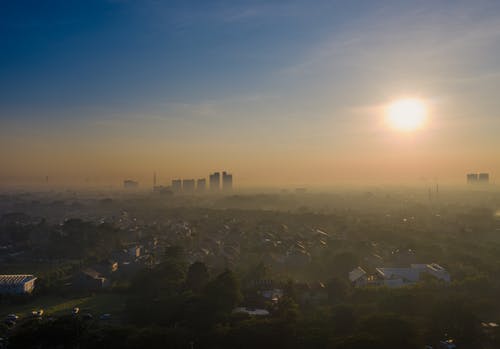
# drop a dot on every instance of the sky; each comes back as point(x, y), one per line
point(287, 93)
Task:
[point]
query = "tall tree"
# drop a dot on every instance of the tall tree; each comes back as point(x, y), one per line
point(197, 277)
point(224, 292)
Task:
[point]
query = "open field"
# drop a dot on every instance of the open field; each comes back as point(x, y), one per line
point(98, 304)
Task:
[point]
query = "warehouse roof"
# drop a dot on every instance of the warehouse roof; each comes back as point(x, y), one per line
point(15, 279)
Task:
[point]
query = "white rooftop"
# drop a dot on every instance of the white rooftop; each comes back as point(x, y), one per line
point(15, 279)
point(256, 312)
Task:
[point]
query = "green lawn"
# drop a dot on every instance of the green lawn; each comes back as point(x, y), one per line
point(96, 305)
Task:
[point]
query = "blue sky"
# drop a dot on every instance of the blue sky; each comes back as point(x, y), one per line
point(121, 53)
point(268, 79)
point(138, 54)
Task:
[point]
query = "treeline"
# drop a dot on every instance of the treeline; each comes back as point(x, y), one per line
point(176, 305)
point(74, 239)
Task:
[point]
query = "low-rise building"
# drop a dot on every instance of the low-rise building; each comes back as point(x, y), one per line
point(358, 277)
point(17, 284)
point(397, 277)
point(89, 280)
point(251, 311)
point(273, 295)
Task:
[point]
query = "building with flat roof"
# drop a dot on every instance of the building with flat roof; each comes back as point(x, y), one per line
point(188, 186)
point(227, 181)
point(176, 185)
point(478, 178)
point(397, 277)
point(201, 185)
point(251, 311)
point(472, 178)
point(17, 284)
point(484, 178)
point(215, 181)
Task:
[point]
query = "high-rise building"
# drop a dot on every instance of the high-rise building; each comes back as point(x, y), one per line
point(472, 178)
point(188, 186)
point(484, 178)
point(201, 185)
point(227, 181)
point(475, 178)
point(176, 185)
point(215, 181)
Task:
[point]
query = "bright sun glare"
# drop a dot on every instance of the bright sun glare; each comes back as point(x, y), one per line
point(407, 114)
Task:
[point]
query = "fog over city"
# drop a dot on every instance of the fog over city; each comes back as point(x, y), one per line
point(249, 174)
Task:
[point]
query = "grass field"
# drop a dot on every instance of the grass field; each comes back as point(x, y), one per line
point(96, 305)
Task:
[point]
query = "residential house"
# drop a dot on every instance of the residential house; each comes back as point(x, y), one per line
point(89, 280)
point(358, 277)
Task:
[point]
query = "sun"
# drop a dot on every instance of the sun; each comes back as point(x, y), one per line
point(407, 114)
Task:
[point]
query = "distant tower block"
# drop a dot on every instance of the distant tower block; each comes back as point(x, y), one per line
point(154, 179)
point(227, 181)
point(188, 186)
point(176, 185)
point(215, 181)
point(481, 178)
point(472, 178)
point(484, 178)
point(201, 185)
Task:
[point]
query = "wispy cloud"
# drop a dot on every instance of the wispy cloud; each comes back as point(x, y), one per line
point(385, 40)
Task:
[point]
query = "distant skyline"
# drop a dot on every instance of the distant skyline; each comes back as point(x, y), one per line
point(284, 93)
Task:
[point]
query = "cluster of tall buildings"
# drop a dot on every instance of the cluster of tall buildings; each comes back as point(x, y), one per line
point(217, 182)
point(478, 178)
point(190, 186)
